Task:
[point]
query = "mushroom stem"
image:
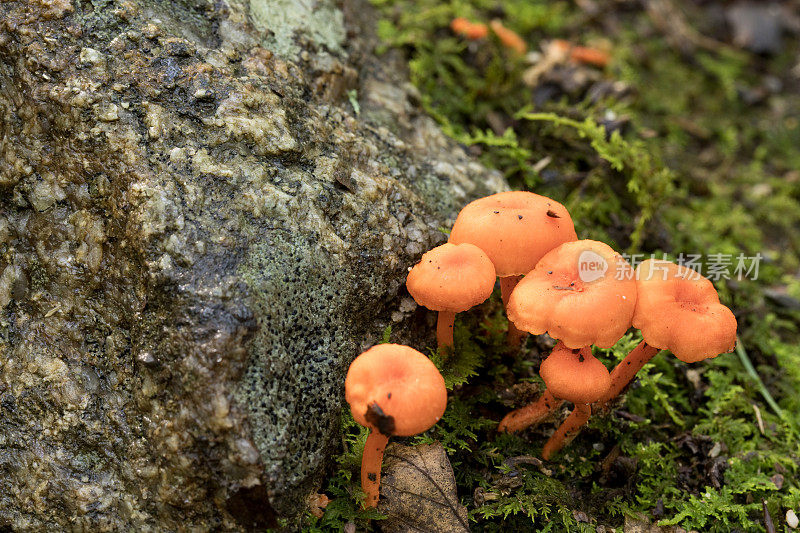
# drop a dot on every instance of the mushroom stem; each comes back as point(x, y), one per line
point(371, 467)
point(531, 414)
point(507, 285)
point(567, 431)
point(444, 330)
point(625, 371)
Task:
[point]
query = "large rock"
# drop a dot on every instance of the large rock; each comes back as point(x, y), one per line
point(198, 232)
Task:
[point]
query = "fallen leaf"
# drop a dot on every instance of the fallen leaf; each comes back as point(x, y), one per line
point(418, 491)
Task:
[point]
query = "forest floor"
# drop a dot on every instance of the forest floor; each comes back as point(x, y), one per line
point(686, 143)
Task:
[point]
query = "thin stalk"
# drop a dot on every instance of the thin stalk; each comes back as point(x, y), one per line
point(626, 370)
point(507, 284)
point(371, 467)
point(567, 431)
point(444, 330)
point(531, 414)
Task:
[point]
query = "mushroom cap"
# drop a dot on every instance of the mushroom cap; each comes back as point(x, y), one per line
point(514, 229)
point(452, 277)
point(575, 375)
point(581, 293)
point(396, 390)
point(679, 310)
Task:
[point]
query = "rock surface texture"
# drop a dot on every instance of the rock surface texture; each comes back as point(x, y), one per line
point(207, 210)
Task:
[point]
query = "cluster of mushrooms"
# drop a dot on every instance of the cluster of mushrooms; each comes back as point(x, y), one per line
point(581, 292)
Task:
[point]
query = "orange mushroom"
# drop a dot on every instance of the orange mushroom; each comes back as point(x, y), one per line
point(582, 54)
point(471, 30)
point(515, 229)
point(450, 279)
point(575, 375)
point(678, 310)
point(509, 38)
point(395, 391)
point(581, 293)
point(571, 375)
point(578, 377)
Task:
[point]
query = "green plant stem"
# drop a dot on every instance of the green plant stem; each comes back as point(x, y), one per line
point(748, 366)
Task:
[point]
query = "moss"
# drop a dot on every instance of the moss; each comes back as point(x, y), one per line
point(698, 167)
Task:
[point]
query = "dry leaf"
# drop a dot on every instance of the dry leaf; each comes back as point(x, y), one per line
point(418, 491)
point(317, 504)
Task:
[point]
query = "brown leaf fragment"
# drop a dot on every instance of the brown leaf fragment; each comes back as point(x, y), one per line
point(317, 504)
point(418, 491)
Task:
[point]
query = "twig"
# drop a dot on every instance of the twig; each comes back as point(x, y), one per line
point(669, 19)
point(768, 523)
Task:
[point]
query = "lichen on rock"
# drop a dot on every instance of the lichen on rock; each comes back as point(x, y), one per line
point(280, 20)
point(197, 236)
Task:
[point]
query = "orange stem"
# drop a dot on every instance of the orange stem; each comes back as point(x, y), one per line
point(507, 285)
point(626, 370)
point(567, 431)
point(531, 414)
point(371, 467)
point(444, 330)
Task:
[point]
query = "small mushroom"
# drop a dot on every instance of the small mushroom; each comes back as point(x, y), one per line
point(451, 278)
point(582, 54)
point(470, 30)
point(678, 310)
point(576, 376)
point(581, 293)
point(395, 391)
point(515, 229)
point(509, 38)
